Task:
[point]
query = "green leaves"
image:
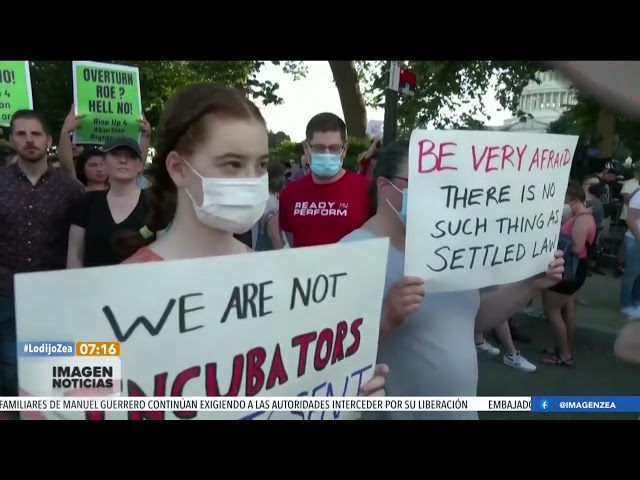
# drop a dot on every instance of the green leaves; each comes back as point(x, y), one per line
point(446, 86)
point(52, 83)
point(582, 119)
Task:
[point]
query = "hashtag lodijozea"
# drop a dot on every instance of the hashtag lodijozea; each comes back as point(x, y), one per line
point(47, 348)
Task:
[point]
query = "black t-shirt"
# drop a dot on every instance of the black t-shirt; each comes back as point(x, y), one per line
point(93, 214)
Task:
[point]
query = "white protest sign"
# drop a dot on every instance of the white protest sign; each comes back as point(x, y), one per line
point(374, 129)
point(300, 322)
point(484, 208)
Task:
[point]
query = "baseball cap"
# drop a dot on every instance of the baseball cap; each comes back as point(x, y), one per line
point(122, 142)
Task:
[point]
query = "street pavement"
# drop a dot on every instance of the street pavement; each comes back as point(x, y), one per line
point(595, 370)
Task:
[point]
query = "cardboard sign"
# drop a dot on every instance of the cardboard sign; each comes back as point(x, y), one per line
point(15, 90)
point(108, 97)
point(484, 208)
point(300, 322)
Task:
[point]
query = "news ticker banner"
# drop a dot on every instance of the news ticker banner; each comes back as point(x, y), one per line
point(316, 408)
point(73, 369)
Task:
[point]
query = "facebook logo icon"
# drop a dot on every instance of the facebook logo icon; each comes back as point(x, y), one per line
point(544, 404)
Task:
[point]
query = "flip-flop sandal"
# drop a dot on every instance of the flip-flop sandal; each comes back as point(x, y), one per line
point(557, 361)
point(554, 352)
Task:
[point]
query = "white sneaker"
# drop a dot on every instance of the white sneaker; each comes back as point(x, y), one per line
point(632, 313)
point(518, 362)
point(486, 347)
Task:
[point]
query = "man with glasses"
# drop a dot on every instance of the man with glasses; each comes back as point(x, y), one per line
point(331, 202)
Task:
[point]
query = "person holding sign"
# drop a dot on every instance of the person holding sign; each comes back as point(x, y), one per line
point(367, 160)
point(212, 160)
point(427, 339)
point(73, 123)
point(96, 222)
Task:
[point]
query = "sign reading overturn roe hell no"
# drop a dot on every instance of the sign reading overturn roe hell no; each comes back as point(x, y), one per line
point(484, 208)
point(108, 98)
point(15, 89)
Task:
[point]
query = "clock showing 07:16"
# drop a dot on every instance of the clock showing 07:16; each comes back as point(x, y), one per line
point(98, 349)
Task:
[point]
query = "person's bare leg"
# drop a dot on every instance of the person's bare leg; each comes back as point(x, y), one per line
point(504, 335)
point(553, 303)
point(569, 318)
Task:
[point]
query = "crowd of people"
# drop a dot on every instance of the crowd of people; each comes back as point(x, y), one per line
point(212, 190)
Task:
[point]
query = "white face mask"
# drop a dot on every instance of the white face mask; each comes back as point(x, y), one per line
point(231, 204)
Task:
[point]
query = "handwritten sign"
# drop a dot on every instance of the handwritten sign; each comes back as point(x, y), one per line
point(374, 128)
point(484, 208)
point(15, 89)
point(108, 97)
point(301, 322)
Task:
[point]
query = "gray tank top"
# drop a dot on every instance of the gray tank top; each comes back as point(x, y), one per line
point(433, 354)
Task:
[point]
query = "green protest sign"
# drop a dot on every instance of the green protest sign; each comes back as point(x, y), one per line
point(108, 96)
point(15, 89)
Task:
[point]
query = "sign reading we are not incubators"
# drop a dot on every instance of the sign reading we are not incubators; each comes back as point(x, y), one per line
point(287, 323)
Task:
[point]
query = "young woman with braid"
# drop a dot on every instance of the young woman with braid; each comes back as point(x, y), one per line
point(210, 177)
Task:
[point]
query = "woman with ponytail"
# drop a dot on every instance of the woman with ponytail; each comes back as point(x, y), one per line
point(210, 177)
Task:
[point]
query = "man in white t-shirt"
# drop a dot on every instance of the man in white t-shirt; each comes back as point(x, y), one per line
point(628, 188)
point(630, 284)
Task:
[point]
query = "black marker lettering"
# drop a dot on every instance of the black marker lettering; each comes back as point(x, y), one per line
point(467, 197)
point(470, 257)
point(182, 313)
point(153, 330)
point(468, 227)
point(528, 193)
point(248, 299)
point(316, 289)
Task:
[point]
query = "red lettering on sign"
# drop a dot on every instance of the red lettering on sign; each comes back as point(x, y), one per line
point(436, 154)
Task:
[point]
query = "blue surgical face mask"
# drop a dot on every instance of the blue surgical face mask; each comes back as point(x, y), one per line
point(402, 214)
point(325, 165)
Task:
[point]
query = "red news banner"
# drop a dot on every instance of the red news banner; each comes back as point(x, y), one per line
point(484, 208)
point(301, 322)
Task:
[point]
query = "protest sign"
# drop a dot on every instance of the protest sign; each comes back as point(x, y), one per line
point(484, 208)
point(15, 89)
point(108, 96)
point(374, 129)
point(300, 322)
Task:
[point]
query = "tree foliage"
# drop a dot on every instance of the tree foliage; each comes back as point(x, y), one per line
point(52, 83)
point(277, 138)
point(444, 87)
point(583, 118)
